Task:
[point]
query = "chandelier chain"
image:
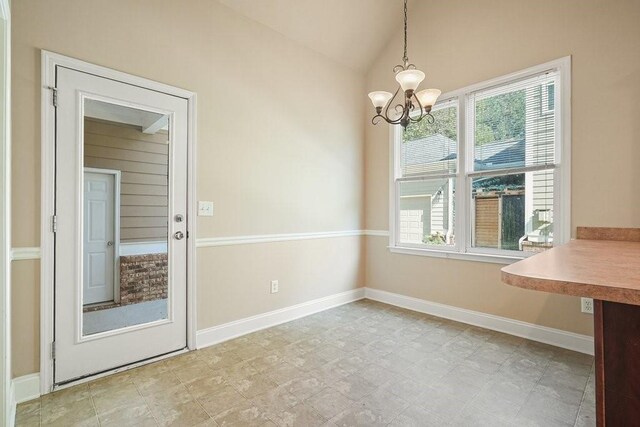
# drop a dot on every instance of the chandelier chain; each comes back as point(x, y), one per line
point(405, 58)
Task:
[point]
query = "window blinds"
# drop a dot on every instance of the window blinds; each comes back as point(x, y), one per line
point(514, 125)
point(431, 149)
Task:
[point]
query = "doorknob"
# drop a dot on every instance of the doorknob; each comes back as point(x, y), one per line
point(179, 235)
point(109, 243)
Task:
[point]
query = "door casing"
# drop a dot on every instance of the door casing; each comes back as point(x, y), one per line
point(50, 61)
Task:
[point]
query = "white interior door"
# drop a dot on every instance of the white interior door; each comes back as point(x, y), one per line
point(142, 133)
point(99, 237)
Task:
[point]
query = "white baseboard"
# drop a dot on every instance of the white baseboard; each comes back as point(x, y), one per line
point(227, 331)
point(556, 337)
point(26, 388)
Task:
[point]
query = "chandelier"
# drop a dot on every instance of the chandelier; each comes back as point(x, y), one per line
point(417, 105)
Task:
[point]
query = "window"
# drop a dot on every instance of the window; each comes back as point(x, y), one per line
point(485, 180)
point(548, 99)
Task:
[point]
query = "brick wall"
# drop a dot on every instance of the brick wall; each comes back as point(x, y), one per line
point(143, 278)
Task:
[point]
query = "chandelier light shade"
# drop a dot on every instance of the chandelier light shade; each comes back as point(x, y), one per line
point(380, 99)
point(428, 98)
point(412, 106)
point(410, 79)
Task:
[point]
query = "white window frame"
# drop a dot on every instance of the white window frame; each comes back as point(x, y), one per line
point(462, 248)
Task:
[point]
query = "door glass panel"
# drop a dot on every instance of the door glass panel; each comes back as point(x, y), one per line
point(125, 217)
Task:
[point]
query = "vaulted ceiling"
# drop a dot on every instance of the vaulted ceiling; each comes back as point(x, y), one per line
point(351, 32)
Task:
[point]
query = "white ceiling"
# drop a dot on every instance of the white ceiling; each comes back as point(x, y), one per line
point(351, 32)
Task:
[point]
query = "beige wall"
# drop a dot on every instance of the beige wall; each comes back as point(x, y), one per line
point(458, 43)
point(280, 146)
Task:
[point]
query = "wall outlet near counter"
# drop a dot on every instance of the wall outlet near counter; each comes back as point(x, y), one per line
point(586, 305)
point(275, 287)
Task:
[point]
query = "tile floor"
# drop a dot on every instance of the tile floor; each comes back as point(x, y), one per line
point(364, 363)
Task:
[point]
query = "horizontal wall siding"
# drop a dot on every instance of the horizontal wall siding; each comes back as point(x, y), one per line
point(143, 162)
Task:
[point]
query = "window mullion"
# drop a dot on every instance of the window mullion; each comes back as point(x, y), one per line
point(461, 190)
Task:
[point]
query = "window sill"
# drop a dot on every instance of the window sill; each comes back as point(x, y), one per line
point(491, 258)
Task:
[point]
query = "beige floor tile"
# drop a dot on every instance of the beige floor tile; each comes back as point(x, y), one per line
point(329, 402)
point(246, 413)
point(354, 387)
point(31, 407)
point(128, 415)
point(225, 398)
point(148, 385)
point(364, 363)
point(300, 415)
point(107, 383)
point(66, 396)
point(28, 413)
point(184, 415)
point(386, 403)
point(76, 413)
point(192, 371)
point(240, 370)
point(172, 396)
point(356, 415)
point(117, 396)
point(181, 360)
point(221, 360)
point(275, 401)
point(212, 383)
point(304, 386)
point(253, 385)
point(283, 372)
point(415, 416)
point(264, 361)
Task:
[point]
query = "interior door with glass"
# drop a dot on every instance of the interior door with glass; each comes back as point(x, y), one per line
point(120, 243)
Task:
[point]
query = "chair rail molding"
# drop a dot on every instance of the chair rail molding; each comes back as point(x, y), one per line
point(25, 253)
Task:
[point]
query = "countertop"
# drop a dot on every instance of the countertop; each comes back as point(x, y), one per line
point(601, 269)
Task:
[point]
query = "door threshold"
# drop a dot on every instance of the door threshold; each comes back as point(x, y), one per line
point(89, 378)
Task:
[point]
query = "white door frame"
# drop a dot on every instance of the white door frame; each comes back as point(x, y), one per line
point(117, 178)
point(7, 400)
point(49, 63)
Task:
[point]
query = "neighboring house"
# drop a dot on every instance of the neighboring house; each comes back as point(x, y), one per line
point(426, 207)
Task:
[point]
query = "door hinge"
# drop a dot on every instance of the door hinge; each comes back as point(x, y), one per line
point(53, 350)
point(54, 223)
point(54, 91)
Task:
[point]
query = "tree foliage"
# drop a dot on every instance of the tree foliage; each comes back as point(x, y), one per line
point(498, 118)
point(445, 123)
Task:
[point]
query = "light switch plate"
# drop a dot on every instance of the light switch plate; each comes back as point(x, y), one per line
point(205, 208)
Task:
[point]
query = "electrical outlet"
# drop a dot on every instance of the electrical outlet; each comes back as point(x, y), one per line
point(586, 305)
point(274, 287)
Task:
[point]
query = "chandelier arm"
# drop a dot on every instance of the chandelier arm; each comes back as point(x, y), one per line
point(386, 110)
point(386, 119)
point(422, 109)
